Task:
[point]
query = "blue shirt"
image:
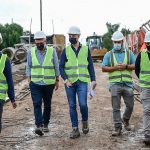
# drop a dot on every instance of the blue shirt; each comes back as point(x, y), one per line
point(63, 60)
point(120, 59)
point(41, 56)
point(8, 74)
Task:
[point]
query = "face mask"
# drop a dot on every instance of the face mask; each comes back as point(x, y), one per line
point(117, 46)
point(73, 40)
point(40, 47)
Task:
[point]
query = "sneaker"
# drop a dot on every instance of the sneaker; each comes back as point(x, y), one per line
point(39, 131)
point(85, 127)
point(117, 132)
point(45, 128)
point(126, 124)
point(75, 133)
point(146, 141)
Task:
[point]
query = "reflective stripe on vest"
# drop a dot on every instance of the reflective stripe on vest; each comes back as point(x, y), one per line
point(76, 67)
point(44, 72)
point(120, 76)
point(145, 70)
point(3, 82)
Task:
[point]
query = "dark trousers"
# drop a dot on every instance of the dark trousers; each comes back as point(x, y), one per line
point(1, 112)
point(41, 93)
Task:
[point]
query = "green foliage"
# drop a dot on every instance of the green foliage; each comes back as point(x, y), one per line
point(107, 42)
point(11, 34)
point(125, 31)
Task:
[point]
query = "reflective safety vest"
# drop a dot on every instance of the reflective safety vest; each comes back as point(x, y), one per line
point(76, 66)
point(145, 70)
point(43, 72)
point(120, 76)
point(3, 82)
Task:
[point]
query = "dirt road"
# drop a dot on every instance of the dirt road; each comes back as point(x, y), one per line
point(18, 125)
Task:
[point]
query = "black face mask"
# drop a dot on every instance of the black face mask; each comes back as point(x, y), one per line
point(73, 40)
point(40, 47)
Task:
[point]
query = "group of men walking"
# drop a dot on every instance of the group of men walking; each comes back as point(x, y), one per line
point(77, 70)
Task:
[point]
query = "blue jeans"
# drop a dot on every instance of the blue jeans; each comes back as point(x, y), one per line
point(39, 93)
point(118, 91)
point(80, 89)
point(1, 112)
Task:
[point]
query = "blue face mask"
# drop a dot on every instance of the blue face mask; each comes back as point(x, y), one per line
point(117, 46)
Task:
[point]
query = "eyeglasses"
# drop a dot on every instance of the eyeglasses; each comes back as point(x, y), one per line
point(39, 43)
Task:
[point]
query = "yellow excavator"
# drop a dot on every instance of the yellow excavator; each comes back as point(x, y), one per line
point(95, 45)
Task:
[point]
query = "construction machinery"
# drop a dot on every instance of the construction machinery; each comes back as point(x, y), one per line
point(19, 53)
point(95, 45)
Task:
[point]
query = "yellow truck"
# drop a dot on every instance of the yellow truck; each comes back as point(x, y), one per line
point(95, 45)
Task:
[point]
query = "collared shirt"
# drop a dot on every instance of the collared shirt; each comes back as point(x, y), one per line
point(41, 56)
point(120, 59)
point(8, 74)
point(63, 61)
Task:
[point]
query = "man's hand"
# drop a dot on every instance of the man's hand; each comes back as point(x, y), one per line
point(94, 84)
point(68, 84)
point(14, 105)
point(120, 67)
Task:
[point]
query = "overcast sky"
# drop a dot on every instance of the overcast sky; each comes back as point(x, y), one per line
point(90, 15)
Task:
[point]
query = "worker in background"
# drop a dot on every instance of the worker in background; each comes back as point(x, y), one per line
point(119, 63)
point(43, 73)
point(6, 83)
point(76, 69)
point(142, 70)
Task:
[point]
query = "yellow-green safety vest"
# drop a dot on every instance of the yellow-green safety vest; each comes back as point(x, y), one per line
point(76, 68)
point(44, 72)
point(145, 70)
point(3, 82)
point(120, 76)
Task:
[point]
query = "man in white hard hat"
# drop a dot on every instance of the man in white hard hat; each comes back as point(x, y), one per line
point(142, 70)
point(76, 69)
point(119, 63)
point(6, 82)
point(43, 73)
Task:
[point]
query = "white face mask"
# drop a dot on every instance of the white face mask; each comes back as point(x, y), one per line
point(117, 46)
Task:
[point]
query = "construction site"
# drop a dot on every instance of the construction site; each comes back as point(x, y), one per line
point(19, 124)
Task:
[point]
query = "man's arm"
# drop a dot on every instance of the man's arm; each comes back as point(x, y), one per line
point(62, 62)
point(56, 64)
point(137, 65)
point(28, 66)
point(9, 79)
point(91, 67)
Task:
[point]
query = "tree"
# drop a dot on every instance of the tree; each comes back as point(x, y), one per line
point(107, 42)
point(11, 34)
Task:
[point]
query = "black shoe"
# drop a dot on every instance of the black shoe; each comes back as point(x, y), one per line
point(45, 128)
point(126, 124)
point(117, 132)
point(39, 131)
point(75, 133)
point(85, 127)
point(146, 141)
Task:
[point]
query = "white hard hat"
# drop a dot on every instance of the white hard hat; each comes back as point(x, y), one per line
point(1, 39)
point(39, 35)
point(74, 30)
point(117, 36)
point(147, 37)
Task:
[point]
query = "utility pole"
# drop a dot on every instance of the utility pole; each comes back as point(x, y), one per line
point(41, 13)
